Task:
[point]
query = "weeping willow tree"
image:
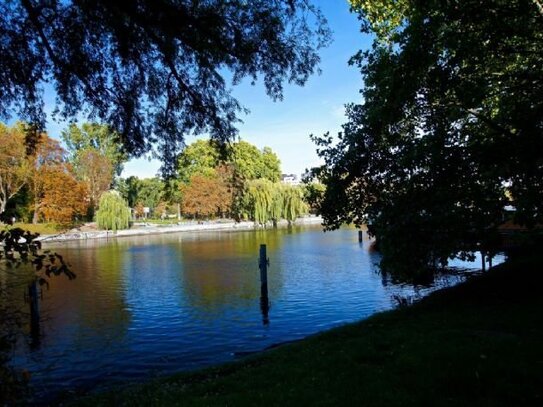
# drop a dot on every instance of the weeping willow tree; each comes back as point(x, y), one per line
point(293, 203)
point(113, 212)
point(277, 207)
point(266, 201)
point(258, 200)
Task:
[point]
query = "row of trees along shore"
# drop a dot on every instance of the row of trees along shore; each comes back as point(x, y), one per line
point(44, 182)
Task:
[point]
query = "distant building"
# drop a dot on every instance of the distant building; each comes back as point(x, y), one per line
point(290, 179)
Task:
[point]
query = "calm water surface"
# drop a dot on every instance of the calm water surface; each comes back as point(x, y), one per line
point(152, 305)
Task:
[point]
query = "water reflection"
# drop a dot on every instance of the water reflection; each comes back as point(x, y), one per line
point(265, 306)
point(158, 304)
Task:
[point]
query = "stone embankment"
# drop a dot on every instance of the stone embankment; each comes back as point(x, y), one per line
point(148, 229)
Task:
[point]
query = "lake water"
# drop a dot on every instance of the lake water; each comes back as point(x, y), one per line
point(153, 305)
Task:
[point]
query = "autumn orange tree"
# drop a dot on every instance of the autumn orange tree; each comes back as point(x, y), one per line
point(98, 175)
point(14, 166)
point(64, 197)
point(56, 194)
point(160, 210)
point(206, 196)
point(139, 210)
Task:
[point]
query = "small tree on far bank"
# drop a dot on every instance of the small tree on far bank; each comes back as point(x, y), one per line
point(113, 213)
point(139, 211)
point(293, 203)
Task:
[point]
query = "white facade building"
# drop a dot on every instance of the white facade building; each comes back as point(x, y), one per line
point(290, 179)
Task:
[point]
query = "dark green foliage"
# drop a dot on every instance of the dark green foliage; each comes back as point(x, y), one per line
point(19, 206)
point(150, 191)
point(147, 191)
point(153, 70)
point(129, 189)
point(313, 194)
point(452, 119)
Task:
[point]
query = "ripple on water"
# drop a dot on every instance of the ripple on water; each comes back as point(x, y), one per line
point(151, 305)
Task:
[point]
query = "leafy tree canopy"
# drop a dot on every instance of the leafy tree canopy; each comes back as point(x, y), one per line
point(206, 196)
point(147, 191)
point(199, 158)
point(41, 175)
point(63, 197)
point(382, 17)
point(203, 157)
point(150, 191)
point(251, 163)
point(452, 118)
point(128, 188)
point(153, 70)
point(97, 138)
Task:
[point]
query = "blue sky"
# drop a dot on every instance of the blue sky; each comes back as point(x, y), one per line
point(285, 125)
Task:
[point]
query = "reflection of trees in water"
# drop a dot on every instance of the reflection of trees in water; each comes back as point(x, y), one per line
point(224, 270)
point(94, 300)
point(208, 269)
point(13, 308)
point(152, 271)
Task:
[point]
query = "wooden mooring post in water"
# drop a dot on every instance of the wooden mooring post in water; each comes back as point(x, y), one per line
point(33, 300)
point(360, 236)
point(263, 263)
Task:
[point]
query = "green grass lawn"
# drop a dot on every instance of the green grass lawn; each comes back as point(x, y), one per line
point(42, 228)
point(476, 344)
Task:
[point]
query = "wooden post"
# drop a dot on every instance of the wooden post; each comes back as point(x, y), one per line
point(263, 263)
point(265, 308)
point(483, 264)
point(263, 266)
point(33, 297)
point(360, 236)
point(489, 262)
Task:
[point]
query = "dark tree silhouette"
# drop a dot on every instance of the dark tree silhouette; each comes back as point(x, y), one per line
point(153, 70)
point(450, 129)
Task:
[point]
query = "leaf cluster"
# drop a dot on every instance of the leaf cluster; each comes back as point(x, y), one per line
point(21, 247)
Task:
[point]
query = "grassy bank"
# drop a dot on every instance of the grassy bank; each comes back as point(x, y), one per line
point(42, 228)
point(480, 343)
